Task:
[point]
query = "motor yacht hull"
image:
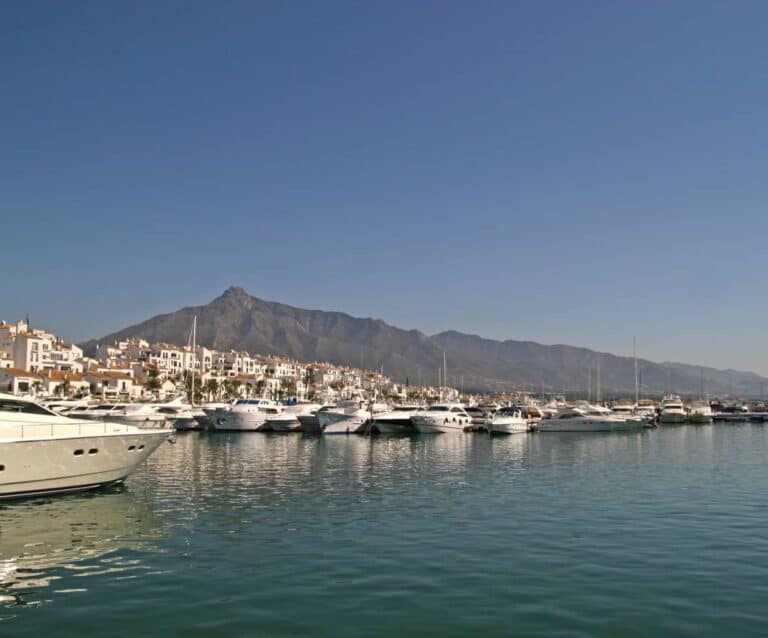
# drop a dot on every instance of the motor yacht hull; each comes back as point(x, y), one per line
point(350, 425)
point(46, 466)
point(588, 425)
point(309, 424)
point(232, 421)
point(672, 417)
point(287, 423)
point(393, 425)
point(508, 426)
point(438, 425)
point(185, 424)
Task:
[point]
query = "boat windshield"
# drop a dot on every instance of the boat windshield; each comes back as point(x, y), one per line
point(439, 408)
point(26, 407)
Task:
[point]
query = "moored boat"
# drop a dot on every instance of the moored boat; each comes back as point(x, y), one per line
point(573, 419)
point(442, 417)
point(700, 413)
point(398, 420)
point(672, 410)
point(246, 415)
point(42, 452)
point(508, 421)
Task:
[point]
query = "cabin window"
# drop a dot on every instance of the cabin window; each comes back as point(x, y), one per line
point(141, 447)
point(93, 450)
point(9, 405)
point(2, 468)
point(131, 448)
point(79, 452)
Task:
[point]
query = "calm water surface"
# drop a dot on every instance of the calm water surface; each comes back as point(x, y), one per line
point(544, 534)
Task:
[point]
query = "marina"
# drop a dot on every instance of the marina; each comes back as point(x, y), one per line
point(570, 533)
point(421, 319)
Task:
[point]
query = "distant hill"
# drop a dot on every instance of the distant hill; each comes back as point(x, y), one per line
point(237, 320)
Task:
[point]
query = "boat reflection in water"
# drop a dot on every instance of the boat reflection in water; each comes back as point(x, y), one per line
point(45, 543)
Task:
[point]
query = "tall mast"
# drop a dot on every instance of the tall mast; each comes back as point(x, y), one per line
point(194, 357)
point(701, 389)
point(637, 377)
point(598, 379)
point(445, 372)
point(589, 383)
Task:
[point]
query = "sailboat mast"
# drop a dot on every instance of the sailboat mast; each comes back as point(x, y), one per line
point(194, 358)
point(445, 371)
point(637, 378)
point(598, 379)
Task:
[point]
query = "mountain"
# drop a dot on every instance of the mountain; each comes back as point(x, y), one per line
point(239, 321)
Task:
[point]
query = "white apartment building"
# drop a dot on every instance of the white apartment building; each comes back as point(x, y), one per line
point(39, 350)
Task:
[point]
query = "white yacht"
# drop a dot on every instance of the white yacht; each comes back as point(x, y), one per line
point(97, 411)
point(179, 417)
point(700, 413)
point(349, 417)
point(508, 421)
point(247, 415)
point(572, 419)
point(342, 411)
point(42, 452)
point(353, 424)
point(288, 419)
point(64, 406)
point(646, 410)
point(623, 408)
point(398, 420)
point(145, 414)
point(442, 417)
point(672, 410)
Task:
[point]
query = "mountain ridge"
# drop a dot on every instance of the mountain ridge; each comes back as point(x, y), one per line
point(236, 320)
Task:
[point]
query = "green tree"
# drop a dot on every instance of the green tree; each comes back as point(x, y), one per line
point(287, 388)
point(231, 388)
point(153, 382)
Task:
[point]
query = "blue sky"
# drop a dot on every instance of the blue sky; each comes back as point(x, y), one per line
point(565, 172)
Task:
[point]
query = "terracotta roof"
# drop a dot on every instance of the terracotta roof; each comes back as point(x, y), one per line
point(118, 375)
point(18, 372)
point(61, 375)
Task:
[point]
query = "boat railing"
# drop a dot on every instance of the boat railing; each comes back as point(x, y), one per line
point(43, 430)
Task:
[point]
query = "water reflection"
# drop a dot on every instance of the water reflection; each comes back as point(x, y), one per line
point(286, 534)
point(48, 545)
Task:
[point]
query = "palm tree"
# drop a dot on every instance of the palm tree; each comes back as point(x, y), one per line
point(212, 388)
point(63, 388)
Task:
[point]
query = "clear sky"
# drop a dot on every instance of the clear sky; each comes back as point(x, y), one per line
point(566, 172)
